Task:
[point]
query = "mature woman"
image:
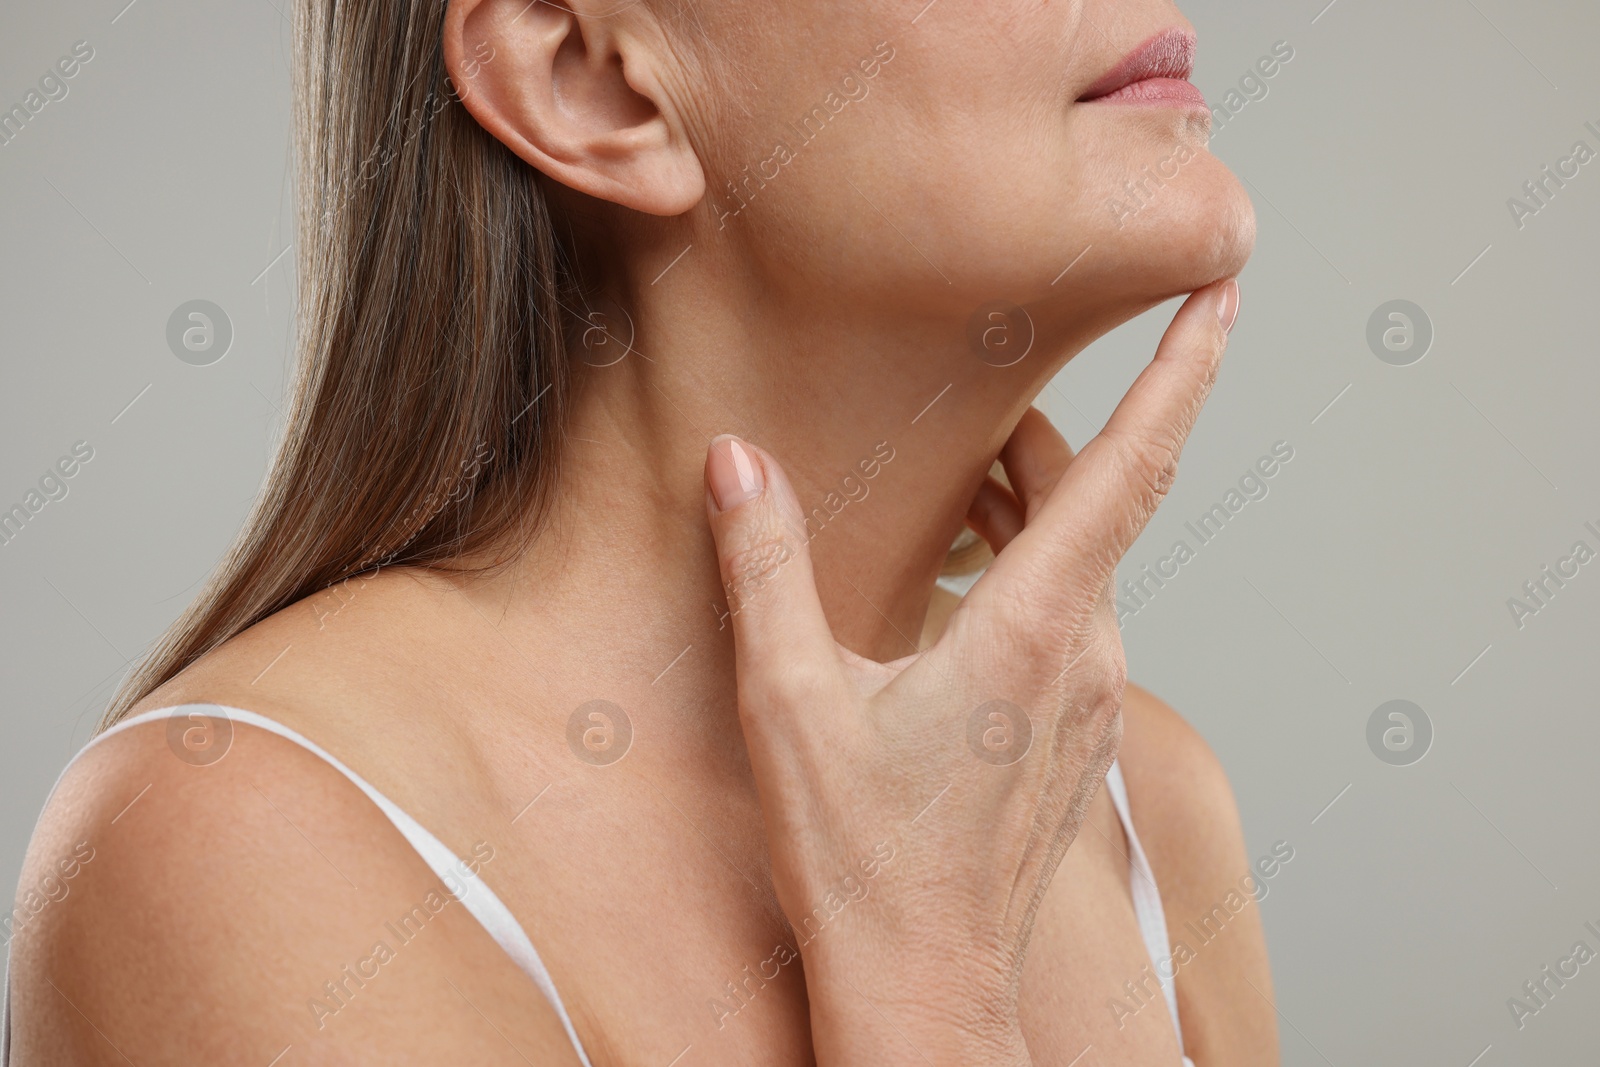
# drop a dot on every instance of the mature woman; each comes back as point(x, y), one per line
point(540, 715)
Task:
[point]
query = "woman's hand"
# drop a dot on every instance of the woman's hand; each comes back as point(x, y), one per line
point(916, 811)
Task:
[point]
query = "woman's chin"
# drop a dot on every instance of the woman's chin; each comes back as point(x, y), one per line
point(1181, 245)
point(1234, 231)
point(1169, 251)
point(1220, 228)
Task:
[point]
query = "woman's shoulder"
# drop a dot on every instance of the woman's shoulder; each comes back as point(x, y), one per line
point(196, 881)
point(1182, 804)
point(1167, 761)
point(1188, 822)
point(175, 909)
point(350, 645)
point(183, 749)
point(253, 719)
point(1180, 798)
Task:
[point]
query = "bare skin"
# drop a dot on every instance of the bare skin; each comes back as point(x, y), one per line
point(624, 877)
point(222, 901)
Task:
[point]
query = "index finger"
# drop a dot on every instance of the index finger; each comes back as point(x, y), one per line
point(1061, 562)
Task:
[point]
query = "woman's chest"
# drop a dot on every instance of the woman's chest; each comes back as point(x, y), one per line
point(651, 904)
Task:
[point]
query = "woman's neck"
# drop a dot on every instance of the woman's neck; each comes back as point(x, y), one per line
point(885, 427)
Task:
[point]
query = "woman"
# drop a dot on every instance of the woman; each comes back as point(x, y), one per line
point(478, 633)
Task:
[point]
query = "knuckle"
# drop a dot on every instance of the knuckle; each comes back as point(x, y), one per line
point(1059, 632)
point(754, 561)
point(1150, 464)
point(1211, 367)
point(1201, 375)
point(1114, 676)
point(1096, 676)
point(1088, 706)
point(1106, 679)
point(1204, 371)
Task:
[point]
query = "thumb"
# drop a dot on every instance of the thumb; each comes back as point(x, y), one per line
point(765, 557)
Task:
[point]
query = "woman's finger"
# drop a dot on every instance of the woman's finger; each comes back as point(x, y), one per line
point(765, 558)
point(995, 514)
point(1035, 458)
point(1111, 488)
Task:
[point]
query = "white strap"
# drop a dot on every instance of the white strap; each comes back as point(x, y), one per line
point(471, 890)
point(1146, 901)
point(497, 919)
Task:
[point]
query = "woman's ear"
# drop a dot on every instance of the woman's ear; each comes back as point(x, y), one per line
point(576, 96)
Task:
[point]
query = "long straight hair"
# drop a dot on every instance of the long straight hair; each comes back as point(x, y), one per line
point(432, 337)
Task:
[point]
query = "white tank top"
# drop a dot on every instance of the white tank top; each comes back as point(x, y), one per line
point(497, 919)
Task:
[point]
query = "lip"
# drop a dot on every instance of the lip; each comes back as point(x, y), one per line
point(1156, 72)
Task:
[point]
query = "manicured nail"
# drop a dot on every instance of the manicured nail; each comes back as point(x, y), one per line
point(733, 472)
point(1228, 304)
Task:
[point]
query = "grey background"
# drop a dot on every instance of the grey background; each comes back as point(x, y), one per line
point(1378, 567)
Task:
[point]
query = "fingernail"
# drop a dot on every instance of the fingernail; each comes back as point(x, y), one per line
point(1228, 304)
point(733, 472)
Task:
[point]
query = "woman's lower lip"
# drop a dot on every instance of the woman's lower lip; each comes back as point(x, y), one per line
point(1163, 92)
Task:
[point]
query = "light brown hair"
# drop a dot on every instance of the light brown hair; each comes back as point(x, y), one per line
point(434, 319)
point(440, 298)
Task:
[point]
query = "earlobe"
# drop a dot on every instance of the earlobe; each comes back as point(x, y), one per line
point(574, 97)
